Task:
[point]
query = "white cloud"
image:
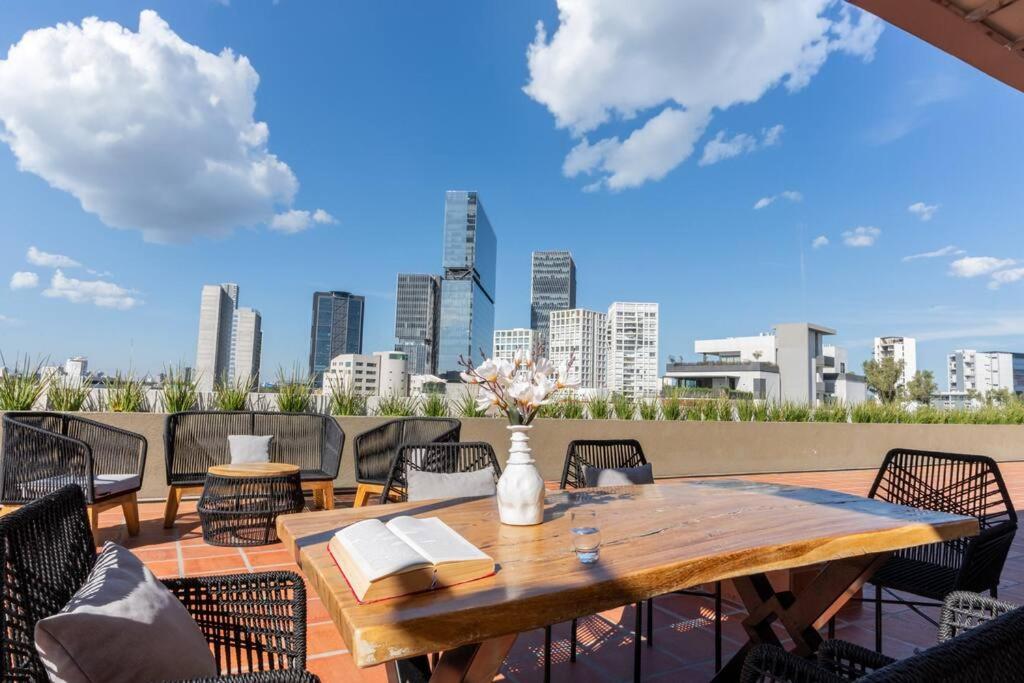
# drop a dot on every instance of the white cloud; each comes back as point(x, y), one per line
point(46, 260)
point(863, 236)
point(6, 320)
point(720, 147)
point(297, 220)
point(668, 64)
point(147, 131)
point(24, 279)
point(973, 266)
point(791, 195)
point(98, 292)
point(819, 242)
point(1005, 277)
point(948, 250)
point(922, 210)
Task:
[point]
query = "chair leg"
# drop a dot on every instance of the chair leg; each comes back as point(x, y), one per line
point(572, 643)
point(130, 507)
point(547, 654)
point(94, 520)
point(318, 498)
point(637, 647)
point(832, 628)
point(994, 592)
point(650, 622)
point(328, 495)
point(362, 496)
point(718, 626)
point(878, 619)
point(174, 494)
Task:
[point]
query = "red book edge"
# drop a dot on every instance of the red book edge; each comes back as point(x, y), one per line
point(392, 597)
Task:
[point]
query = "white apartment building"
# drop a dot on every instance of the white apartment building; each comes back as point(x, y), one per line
point(246, 346)
point(583, 336)
point(421, 385)
point(507, 342)
point(982, 371)
point(76, 368)
point(385, 373)
point(392, 373)
point(899, 349)
point(633, 349)
point(213, 348)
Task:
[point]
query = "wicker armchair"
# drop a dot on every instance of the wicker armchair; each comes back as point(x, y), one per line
point(197, 440)
point(250, 620)
point(437, 457)
point(608, 454)
point(946, 482)
point(43, 452)
point(375, 450)
point(980, 639)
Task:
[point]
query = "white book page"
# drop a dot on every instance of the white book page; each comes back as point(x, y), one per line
point(377, 550)
point(435, 540)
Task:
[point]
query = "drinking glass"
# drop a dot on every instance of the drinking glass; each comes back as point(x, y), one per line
point(586, 536)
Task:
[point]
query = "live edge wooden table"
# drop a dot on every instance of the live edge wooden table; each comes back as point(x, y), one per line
point(656, 539)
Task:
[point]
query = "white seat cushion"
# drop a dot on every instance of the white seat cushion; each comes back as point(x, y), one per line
point(430, 485)
point(122, 625)
point(618, 476)
point(247, 449)
point(103, 484)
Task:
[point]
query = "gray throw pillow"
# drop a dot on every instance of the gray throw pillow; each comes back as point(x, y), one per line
point(618, 476)
point(122, 625)
point(431, 485)
point(247, 449)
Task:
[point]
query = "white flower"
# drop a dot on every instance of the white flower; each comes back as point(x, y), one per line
point(564, 381)
point(521, 391)
point(505, 372)
point(543, 367)
point(468, 378)
point(488, 370)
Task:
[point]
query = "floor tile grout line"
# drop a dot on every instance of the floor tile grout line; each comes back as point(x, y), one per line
point(245, 560)
point(181, 559)
point(325, 655)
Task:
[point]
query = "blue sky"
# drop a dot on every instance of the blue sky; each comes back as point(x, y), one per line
point(378, 108)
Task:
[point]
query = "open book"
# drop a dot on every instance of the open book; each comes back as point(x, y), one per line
point(406, 555)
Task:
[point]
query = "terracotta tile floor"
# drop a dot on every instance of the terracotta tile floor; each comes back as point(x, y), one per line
point(683, 639)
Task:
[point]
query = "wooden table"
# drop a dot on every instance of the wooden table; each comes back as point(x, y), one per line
point(253, 469)
point(657, 539)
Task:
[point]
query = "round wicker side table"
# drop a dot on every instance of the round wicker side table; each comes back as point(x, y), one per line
point(240, 503)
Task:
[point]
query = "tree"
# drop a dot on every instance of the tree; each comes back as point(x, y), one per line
point(883, 377)
point(921, 386)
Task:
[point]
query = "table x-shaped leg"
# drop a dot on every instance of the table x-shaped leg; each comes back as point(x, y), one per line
point(801, 614)
point(475, 663)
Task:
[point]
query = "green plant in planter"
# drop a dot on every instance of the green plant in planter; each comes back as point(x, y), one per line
point(180, 392)
point(394, 405)
point(745, 410)
point(623, 407)
point(22, 386)
point(671, 408)
point(551, 411)
point(831, 412)
point(69, 397)
point(693, 410)
point(723, 410)
point(231, 396)
point(648, 409)
point(344, 400)
point(294, 391)
point(467, 406)
point(598, 408)
point(435, 405)
point(126, 394)
point(572, 408)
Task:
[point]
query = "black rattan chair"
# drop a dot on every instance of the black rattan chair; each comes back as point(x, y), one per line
point(980, 640)
point(196, 441)
point(375, 450)
point(947, 482)
point(250, 620)
point(437, 457)
point(615, 453)
point(43, 452)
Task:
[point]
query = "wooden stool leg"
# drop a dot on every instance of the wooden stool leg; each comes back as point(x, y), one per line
point(328, 494)
point(318, 498)
point(174, 495)
point(130, 507)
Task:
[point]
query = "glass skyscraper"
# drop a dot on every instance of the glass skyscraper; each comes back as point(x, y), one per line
point(552, 287)
point(337, 328)
point(468, 289)
point(416, 320)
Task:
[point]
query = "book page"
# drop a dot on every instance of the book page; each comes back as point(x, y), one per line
point(435, 540)
point(378, 551)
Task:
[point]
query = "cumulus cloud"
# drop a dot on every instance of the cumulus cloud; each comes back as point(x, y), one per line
point(98, 292)
point(41, 258)
point(863, 236)
point(791, 195)
point(669, 65)
point(721, 147)
point(24, 279)
point(819, 242)
point(948, 250)
point(147, 131)
point(6, 320)
point(973, 266)
point(1004, 277)
point(298, 220)
point(922, 210)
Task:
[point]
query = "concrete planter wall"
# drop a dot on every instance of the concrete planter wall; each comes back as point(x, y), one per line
point(675, 448)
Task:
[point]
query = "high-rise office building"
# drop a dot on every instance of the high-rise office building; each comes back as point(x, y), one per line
point(416, 320)
point(583, 336)
point(337, 328)
point(633, 349)
point(246, 346)
point(213, 349)
point(552, 286)
point(467, 291)
point(899, 349)
point(507, 342)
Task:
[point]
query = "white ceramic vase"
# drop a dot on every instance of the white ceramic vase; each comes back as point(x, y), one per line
point(520, 487)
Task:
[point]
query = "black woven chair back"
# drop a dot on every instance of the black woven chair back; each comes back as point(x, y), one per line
point(376, 449)
point(599, 453)
point(446, 458)
point(196, 441)
point(48, 552)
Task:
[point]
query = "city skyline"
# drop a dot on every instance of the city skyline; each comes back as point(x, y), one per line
point(804, 203)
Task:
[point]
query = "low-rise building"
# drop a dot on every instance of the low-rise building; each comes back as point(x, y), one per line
point(392, 373)
point(899, 349)
point(507, 342)
point(969, 371)
point(353, 372)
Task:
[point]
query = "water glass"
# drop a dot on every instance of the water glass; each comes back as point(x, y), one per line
point(586, 536)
